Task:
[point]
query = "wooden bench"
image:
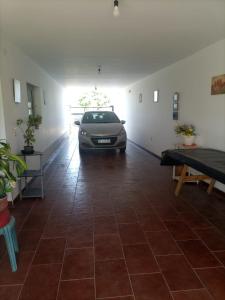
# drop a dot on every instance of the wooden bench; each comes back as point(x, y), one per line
point(210, 162)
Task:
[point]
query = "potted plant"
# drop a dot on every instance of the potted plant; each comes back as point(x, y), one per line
point(8, 162)
point(187, 131)
point(28, 129)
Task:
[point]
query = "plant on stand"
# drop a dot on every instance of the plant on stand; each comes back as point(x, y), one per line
point(187, 131)
point(8, 162)
point(28, 129)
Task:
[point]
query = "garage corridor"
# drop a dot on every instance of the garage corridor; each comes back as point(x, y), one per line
point(111, 228)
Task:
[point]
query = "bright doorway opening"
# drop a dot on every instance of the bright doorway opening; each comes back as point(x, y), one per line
point(80, 99)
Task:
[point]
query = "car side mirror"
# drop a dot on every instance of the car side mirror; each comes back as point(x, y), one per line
point(77, 123)
point(123, 122)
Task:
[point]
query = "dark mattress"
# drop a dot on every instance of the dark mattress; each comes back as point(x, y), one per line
point(211, 162)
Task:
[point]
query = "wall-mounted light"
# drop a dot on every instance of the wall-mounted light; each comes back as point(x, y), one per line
point(156, 96)
point(116, 11)
point(99, 70)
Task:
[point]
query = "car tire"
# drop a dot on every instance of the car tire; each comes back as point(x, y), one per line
point(123, 150)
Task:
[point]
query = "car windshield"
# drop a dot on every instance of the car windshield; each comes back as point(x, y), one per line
point(100, 117)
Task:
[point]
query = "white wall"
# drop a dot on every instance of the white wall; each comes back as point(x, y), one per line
point(150, 124)
point(2, 119)
point(15, 64)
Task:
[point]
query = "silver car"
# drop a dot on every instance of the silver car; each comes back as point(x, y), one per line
point(101, 130)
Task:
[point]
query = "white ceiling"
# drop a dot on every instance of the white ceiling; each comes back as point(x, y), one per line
point(70, 38)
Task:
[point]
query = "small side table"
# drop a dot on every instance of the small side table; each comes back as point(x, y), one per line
point(30, 192)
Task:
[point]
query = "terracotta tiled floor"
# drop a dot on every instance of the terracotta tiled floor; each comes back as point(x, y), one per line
point(110, 227)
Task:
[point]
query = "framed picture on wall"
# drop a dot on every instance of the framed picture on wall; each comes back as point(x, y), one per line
point(218, 85)
point(175, 105)
point(17, 90)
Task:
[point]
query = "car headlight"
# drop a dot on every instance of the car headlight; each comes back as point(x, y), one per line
point(84, 132)
point(122, 132)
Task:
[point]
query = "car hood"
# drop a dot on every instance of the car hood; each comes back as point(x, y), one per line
point(102, 129)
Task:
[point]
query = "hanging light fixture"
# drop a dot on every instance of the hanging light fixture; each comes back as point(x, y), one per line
point(116, 11)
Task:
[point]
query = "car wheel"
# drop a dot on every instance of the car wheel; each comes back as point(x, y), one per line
point(123, 150)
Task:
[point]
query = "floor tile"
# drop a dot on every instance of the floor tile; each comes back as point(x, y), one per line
point(213, 239)
point(180, 231)
point(151, 223)
point(195, 220)
point(28, 239)
point(178, 273)
point(117, 298)
point(105, 225)
point(197, 254)
point(78, 264)
point(126, 216)
point(55, 230)
point(113, 191)
point(81, 219)
point(42, 282)
point(112, 279)
point(23, 262)
point(139, 259)
point(131, 234)
point(214, 280)
point(77, 289)
point(167, 212)
point(192, 295)
point(162, 243)
point(107, 247)
point(10, 292)
point(150, 287)
point(35, 221)
point(103, 210)
point(221, 256)
point(80, 236)
point(50, 251)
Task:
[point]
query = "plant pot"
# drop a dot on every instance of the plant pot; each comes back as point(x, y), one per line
point(4, 212)
point(28, 150)
point(189, 140)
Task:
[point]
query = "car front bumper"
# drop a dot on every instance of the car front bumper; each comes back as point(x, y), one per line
point(93, 142)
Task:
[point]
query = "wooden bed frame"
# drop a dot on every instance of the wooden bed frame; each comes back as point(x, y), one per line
point(185, 177)
point(209, 162)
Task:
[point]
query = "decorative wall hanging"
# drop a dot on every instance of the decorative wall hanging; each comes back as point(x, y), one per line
point(218, 85)
point(175, 106)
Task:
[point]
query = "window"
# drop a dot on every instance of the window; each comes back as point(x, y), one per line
point(100, 117)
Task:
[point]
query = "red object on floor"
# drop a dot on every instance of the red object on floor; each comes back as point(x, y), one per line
point(4, 217)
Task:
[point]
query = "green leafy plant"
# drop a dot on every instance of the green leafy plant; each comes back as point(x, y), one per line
point(9, 162)
point(94, 99)
point(185, 129)
point(29, 132)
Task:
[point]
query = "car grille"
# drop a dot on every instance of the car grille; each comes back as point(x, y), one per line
point(97, 143)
